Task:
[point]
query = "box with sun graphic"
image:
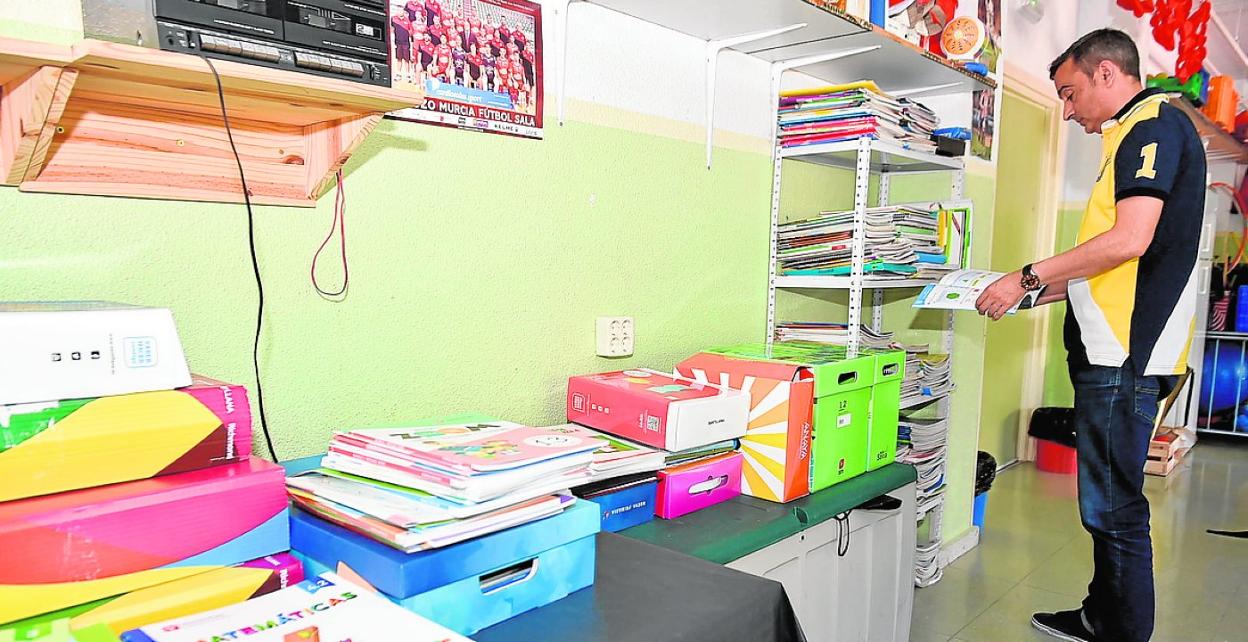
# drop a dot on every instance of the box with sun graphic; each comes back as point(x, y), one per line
point(776, 445)
point(656, 409)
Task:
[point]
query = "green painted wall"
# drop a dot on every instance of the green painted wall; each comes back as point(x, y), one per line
point(58, 21)
point(474, 284)
point(1024, 129)
point(1057, 388)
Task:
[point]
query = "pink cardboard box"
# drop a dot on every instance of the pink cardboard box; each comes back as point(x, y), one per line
point(696, 485)
point(656, 409)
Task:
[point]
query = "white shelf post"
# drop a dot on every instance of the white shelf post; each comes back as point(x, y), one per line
point(862, 185)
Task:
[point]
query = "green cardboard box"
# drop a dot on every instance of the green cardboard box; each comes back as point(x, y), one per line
point(842, 410)
point(890, 368)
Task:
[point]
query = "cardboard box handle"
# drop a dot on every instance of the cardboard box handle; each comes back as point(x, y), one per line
point(847, 378)
point(890, 369)
point(709, 485)
point(504, 578)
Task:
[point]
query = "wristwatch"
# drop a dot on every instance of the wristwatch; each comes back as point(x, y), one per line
point(1031, 280)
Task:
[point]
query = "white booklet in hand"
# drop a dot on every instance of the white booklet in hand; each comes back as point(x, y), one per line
point(961, 289)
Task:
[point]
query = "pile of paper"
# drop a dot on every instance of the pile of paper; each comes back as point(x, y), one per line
point(927, 376)
point(927, 570)
point(617, 457)
point(700, 453)
point(425, 487)
point(833, 334)
point(920, 436)
point(930, 465)
point(900, 241)
point(852, 111)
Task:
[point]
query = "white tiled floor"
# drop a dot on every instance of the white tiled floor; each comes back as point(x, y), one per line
point(1034, 556)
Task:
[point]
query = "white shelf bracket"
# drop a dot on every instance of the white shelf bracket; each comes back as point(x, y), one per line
point(560, 9)
point(794, 63)
point(713, 49)
point(924, 90)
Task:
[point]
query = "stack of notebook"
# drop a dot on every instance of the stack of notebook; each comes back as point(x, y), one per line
point(617, 457)
point(852, 111)
point(900, 241)
point(833, 334)
point(927, 376)
point(418, 488)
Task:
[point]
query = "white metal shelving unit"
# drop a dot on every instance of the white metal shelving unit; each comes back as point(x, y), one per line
point(866, 156)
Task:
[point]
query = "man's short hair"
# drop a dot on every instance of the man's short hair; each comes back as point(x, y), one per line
point(1098, 46)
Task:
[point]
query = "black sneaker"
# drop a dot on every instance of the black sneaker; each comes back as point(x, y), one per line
point(1064, 625)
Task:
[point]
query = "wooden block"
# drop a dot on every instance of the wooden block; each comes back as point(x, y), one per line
point(191, 73)
point(137, 151)
point(330, 146)
point(31, 106)
point(1163, 466)
point(1164, 445)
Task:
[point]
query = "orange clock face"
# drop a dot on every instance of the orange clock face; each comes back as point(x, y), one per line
point(963, 37)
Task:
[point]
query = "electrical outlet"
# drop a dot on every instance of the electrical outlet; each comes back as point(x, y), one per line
point(615, 336)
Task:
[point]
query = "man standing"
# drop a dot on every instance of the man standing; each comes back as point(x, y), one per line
point(1131, 283)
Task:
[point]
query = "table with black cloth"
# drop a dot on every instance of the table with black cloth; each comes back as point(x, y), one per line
point(664, 580)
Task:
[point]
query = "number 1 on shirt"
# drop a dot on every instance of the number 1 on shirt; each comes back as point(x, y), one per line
point(1148, 169)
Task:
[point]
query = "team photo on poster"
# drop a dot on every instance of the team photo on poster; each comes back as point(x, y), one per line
point(478, 62)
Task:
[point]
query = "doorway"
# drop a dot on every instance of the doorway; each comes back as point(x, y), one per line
point(1024, 218)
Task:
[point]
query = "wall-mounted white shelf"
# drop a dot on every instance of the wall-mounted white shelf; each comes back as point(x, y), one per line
point(846, 282)
point(794, 35)
point(886, 157)
point(897, 66)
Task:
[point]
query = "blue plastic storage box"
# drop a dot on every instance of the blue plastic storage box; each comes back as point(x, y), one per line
point(471, 585)
point(627, 507)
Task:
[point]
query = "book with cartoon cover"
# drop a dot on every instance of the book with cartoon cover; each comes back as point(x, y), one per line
point(478, 447)
point(320, 608)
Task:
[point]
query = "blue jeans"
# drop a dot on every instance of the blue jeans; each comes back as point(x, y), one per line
point(1114, 414)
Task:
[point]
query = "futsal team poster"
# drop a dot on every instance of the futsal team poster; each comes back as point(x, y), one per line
point(479, 63)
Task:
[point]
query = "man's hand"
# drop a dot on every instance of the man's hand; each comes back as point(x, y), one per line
point(1002, 295)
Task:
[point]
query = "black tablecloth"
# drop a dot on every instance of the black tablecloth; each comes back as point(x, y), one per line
point(645, 593)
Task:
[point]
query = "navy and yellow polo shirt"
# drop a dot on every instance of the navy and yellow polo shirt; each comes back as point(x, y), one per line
point(1144, 308)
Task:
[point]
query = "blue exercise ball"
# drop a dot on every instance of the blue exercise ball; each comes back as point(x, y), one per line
point(1226, 384)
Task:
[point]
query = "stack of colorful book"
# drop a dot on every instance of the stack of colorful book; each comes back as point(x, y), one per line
point(900, 241)
point(697, 426)
point(617, 457)
point(422, 487)
point(452, 520)
point(119, 511)
point(928, 376)
point(853, 111)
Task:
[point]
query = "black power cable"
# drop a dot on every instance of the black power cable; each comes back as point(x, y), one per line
point(255, 263)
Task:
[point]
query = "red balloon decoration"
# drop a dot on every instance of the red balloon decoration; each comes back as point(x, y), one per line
point(1137, 7)
point(1193, 36)
point(1168, 18)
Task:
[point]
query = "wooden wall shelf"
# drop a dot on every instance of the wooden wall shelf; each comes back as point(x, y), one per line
point(118, 120)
